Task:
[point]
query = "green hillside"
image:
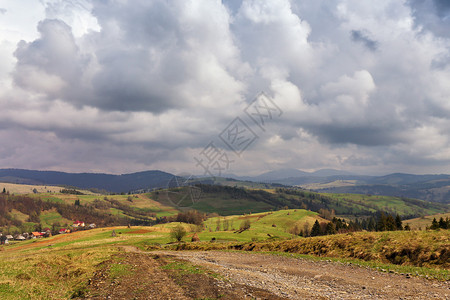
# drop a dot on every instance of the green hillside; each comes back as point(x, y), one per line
point(267, 225)
point(227, 200)
point(25, 212)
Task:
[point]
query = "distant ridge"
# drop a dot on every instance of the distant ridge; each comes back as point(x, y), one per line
point(429, 187)
point(108, 182)
point(283, 175)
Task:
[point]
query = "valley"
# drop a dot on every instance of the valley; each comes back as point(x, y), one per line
point(131, 250)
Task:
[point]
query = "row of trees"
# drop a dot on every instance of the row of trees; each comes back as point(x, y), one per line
point(443, 224)
point(383, 222)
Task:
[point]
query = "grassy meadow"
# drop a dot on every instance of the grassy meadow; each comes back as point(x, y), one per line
point(59, 267)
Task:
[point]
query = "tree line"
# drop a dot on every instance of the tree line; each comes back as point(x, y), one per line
point(382, 222)
point(441, 224)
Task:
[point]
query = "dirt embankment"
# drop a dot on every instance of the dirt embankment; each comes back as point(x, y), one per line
point(226, 275)
point(420, 249)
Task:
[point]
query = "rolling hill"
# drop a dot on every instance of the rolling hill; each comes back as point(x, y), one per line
point(47, 209)
point(229, 200)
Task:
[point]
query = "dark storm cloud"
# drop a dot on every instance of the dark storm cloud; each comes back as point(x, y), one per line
point(432, 15)
point(155, 56)
point(129, 85)
point(364, 136)
point(360, 37)
point(443, 8)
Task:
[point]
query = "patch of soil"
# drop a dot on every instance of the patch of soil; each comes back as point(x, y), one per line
point(207, 286)
point(148, 280)
point(145, 280)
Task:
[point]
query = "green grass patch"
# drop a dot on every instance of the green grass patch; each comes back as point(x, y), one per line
point(183, 268)
point(119, 269)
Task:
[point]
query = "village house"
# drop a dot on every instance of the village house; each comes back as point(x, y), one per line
point(20, 237)
point(78, 224)
point(36, 235)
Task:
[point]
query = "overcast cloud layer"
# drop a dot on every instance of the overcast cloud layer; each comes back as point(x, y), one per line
point(124, 86)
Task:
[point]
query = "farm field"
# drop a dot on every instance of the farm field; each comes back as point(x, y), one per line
point(14, 188)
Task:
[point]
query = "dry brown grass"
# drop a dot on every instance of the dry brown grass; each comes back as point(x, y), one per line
point(422, 222)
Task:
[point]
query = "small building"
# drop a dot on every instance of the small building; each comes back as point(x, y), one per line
point(92, 226)
point(9, 237)
point(78, 224)
point(62, 231)
point(20, 237)
point(36, 235)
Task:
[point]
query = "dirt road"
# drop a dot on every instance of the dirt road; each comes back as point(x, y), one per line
point(304, 279)
point(261, 276)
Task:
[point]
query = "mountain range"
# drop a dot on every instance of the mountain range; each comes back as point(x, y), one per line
point(107, 182)
point(430, 187)
point(283, 174)
point(435, 188)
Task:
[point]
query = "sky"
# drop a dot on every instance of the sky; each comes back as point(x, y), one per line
point(225, 87)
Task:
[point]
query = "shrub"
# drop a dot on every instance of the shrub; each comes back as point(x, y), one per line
point(245, 225)
point(178, 232)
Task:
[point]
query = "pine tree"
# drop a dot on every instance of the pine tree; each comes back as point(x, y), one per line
point(315, 231)
point(382, 223)
point(330, 229)
point(442, 223)
point(434, 224)
point(390, 223)
point(398, 222)
point(371, 225)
